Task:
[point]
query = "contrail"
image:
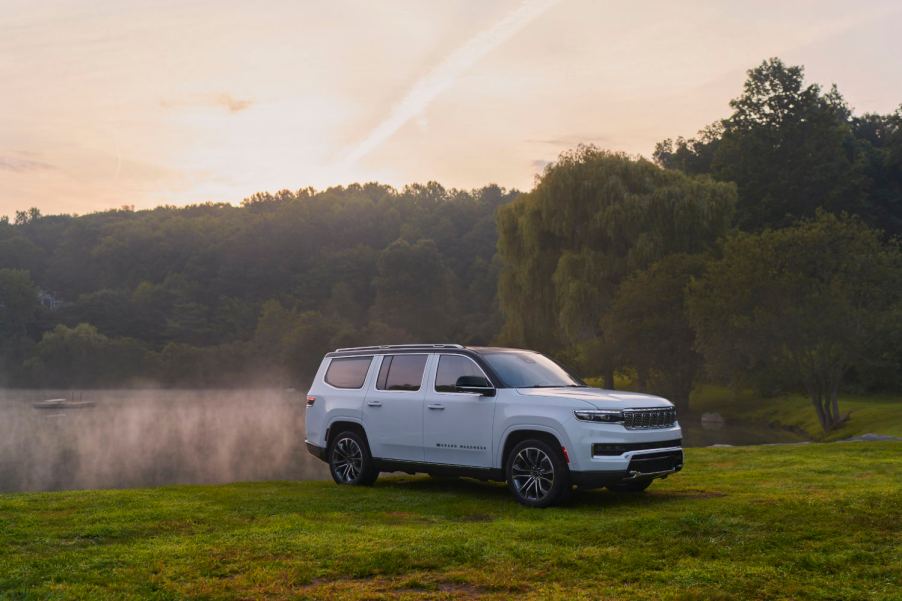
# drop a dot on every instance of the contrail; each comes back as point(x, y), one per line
point(428, 87)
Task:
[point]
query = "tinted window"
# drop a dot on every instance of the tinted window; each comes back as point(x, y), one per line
point(349, 372)
point(522, 369)
point(451, 368)
point(401, 372)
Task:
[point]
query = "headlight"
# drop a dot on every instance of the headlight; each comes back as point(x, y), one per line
point(605, 416)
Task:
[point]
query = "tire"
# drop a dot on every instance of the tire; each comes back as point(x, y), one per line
point(637, 486)
point(537, 473)
point(350, 461)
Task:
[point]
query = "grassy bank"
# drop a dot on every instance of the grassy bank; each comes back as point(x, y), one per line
point(881, 414)
point(785, 522)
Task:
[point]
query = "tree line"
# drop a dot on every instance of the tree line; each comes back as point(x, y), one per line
point(216, 295)
point(762, 252)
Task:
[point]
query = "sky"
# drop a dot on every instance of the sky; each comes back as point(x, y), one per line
point(143, 103)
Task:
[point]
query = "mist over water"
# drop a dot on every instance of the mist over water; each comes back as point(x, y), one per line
point(147, 438)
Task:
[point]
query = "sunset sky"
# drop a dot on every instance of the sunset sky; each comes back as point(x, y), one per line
point(125, 102)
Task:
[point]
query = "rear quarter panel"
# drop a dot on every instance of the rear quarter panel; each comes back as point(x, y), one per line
point(334, 404)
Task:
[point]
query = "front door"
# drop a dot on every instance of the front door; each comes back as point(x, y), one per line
point(457, 426)
point(393, 408)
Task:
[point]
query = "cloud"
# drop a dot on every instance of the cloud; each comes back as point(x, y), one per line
point(540, 164)
point(226, 101)
point(443, 75)
point(234, 105)
point(19, 164)
point(571, 141)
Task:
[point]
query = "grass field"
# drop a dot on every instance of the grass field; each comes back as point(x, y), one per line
point(816, 521)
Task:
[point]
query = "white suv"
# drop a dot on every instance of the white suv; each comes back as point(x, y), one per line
point(490, 413)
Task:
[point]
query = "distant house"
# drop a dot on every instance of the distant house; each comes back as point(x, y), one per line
point(48, 301)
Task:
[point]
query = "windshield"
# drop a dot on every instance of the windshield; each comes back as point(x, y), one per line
point(529, 370)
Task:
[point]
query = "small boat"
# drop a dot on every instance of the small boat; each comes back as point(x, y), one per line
point(62, 404)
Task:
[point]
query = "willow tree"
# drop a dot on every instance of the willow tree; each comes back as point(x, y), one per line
point(593, 218)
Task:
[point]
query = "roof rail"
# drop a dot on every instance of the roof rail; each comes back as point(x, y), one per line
point(397, 346)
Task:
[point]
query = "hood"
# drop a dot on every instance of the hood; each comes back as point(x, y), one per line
point(599, 398)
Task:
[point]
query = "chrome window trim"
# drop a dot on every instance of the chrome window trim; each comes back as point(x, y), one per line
point(470, 359)
point(422, 377)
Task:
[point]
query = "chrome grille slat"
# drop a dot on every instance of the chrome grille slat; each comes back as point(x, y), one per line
point(646, 419)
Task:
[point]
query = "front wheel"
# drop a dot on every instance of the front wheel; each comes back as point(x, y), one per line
point(350, 461)
point(537, 473)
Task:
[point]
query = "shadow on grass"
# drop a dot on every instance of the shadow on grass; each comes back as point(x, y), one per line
point(495, 492)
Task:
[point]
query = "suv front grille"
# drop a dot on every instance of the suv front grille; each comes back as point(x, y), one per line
point(644, 419)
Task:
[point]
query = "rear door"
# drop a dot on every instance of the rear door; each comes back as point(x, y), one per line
point(393, 409)
point(457, 426)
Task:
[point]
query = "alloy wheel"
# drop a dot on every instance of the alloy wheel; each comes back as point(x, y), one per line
point(347, 460)
point(532, 474)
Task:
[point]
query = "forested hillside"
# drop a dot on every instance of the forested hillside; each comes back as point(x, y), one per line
point(213, 294)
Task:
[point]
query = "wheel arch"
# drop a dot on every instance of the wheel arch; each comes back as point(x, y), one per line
point(341, 424)
point(518, 434)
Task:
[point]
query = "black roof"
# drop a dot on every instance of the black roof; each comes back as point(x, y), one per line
point(420, 348)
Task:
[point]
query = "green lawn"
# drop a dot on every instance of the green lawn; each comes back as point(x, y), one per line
point(817, 521)
point(881, 414)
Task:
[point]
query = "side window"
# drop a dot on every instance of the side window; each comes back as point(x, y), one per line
point(457, 370)
point(401, 372)
point(348, 372)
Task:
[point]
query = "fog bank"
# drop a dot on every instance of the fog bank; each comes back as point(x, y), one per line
point(154, 437)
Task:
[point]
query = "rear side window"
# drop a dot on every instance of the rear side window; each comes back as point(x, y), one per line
point(401, 372)
point(348, 372)
point(456, 370)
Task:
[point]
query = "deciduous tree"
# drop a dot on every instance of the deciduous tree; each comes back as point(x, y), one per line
point(803, 304)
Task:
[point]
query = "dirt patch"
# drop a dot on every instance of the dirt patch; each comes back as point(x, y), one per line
point(692, 494)
point(391, 588)
point(462, 591)
point(476, 517)
point(405, 517)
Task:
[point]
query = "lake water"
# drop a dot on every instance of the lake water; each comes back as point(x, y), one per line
point(156, 437)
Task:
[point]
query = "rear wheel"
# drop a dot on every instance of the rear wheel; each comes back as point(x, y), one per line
point(350, 461)
point(637, 486)
point(537, 473)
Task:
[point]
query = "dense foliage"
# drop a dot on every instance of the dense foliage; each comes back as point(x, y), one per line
point(792, 149)
point(792, 292)
point(801, 306)
point(594, 219)
point(213, 294)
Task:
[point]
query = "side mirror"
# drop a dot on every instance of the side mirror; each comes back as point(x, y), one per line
point(474, 385)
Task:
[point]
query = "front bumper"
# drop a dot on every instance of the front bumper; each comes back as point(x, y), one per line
point(316, 451)
point(643, 465)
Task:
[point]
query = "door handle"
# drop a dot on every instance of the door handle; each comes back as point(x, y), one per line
point(436, 406)
point(374, 403)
